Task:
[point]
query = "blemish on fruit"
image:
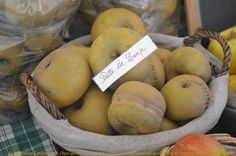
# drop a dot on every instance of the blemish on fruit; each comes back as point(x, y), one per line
point(185, 85)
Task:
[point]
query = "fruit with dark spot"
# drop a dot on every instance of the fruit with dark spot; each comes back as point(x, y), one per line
point(186, 96)
point(63, 76)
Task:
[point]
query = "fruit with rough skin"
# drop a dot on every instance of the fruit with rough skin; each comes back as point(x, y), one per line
point(187, 60)
point(63, 76)
point(136, 108)
point(118, 40)
point(186, 97)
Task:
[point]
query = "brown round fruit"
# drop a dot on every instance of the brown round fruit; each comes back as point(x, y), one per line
point(186, 97)
point(136, 108)
point(63, 76)
point(118, 40)
point(117, 17)
point(187, 60)
point(92, 114)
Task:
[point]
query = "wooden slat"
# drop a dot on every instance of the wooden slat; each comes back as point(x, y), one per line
point(193, 17)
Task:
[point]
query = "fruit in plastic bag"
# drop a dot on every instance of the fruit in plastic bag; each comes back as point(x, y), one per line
point(117, 17)
point(43, 41)
point(36, 13)
point(14, 98)
point(10, 54)
point(186, 96)
point(92, 114)
point(136, 108)
point(63, 76)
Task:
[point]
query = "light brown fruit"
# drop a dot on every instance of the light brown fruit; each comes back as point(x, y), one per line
point(167, 124)
point(10, 55)
point(39, 12)
point(14, 98)
point(92, 114)
point(43, 41)
point(81, 49)
point(187, 60)
point(117, 17)
point(162, 54)
point(118, 40)
point(186, 97)
point(63, 76)
point(136, 108)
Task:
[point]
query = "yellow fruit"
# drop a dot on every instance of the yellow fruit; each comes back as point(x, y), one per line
point(63, 76)
point(118, 40)
point(167, 124)
point(38, 13)
point(232, 83)
point(215, 48)
point(10, 55)
point(186, 97)
point(117, 17)
point(43, 41)
point(162, 54)
point(82, 49)
point(92, 114)
point(14, 98)
point(187, 60)
point(136, 108)
point(166, 8)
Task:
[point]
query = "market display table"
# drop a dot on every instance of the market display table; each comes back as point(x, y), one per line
point(25, 138)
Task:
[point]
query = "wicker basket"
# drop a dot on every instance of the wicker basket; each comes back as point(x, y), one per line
point(87, 143)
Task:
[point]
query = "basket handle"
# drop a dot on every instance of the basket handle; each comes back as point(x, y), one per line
point(200, 34)
point(48, 104)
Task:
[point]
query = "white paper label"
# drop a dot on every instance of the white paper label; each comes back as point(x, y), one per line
point(125, 62)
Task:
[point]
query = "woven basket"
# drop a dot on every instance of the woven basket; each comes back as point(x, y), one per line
point(87, 143)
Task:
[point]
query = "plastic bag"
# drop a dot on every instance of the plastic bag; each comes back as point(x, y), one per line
point(29, 30)
point(160, 16)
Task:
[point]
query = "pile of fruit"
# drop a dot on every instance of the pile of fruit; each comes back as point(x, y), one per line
point(215, 48)
point(164, 91)
point(29, 30)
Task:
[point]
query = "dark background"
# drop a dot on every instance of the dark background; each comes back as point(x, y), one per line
point(218, 15)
